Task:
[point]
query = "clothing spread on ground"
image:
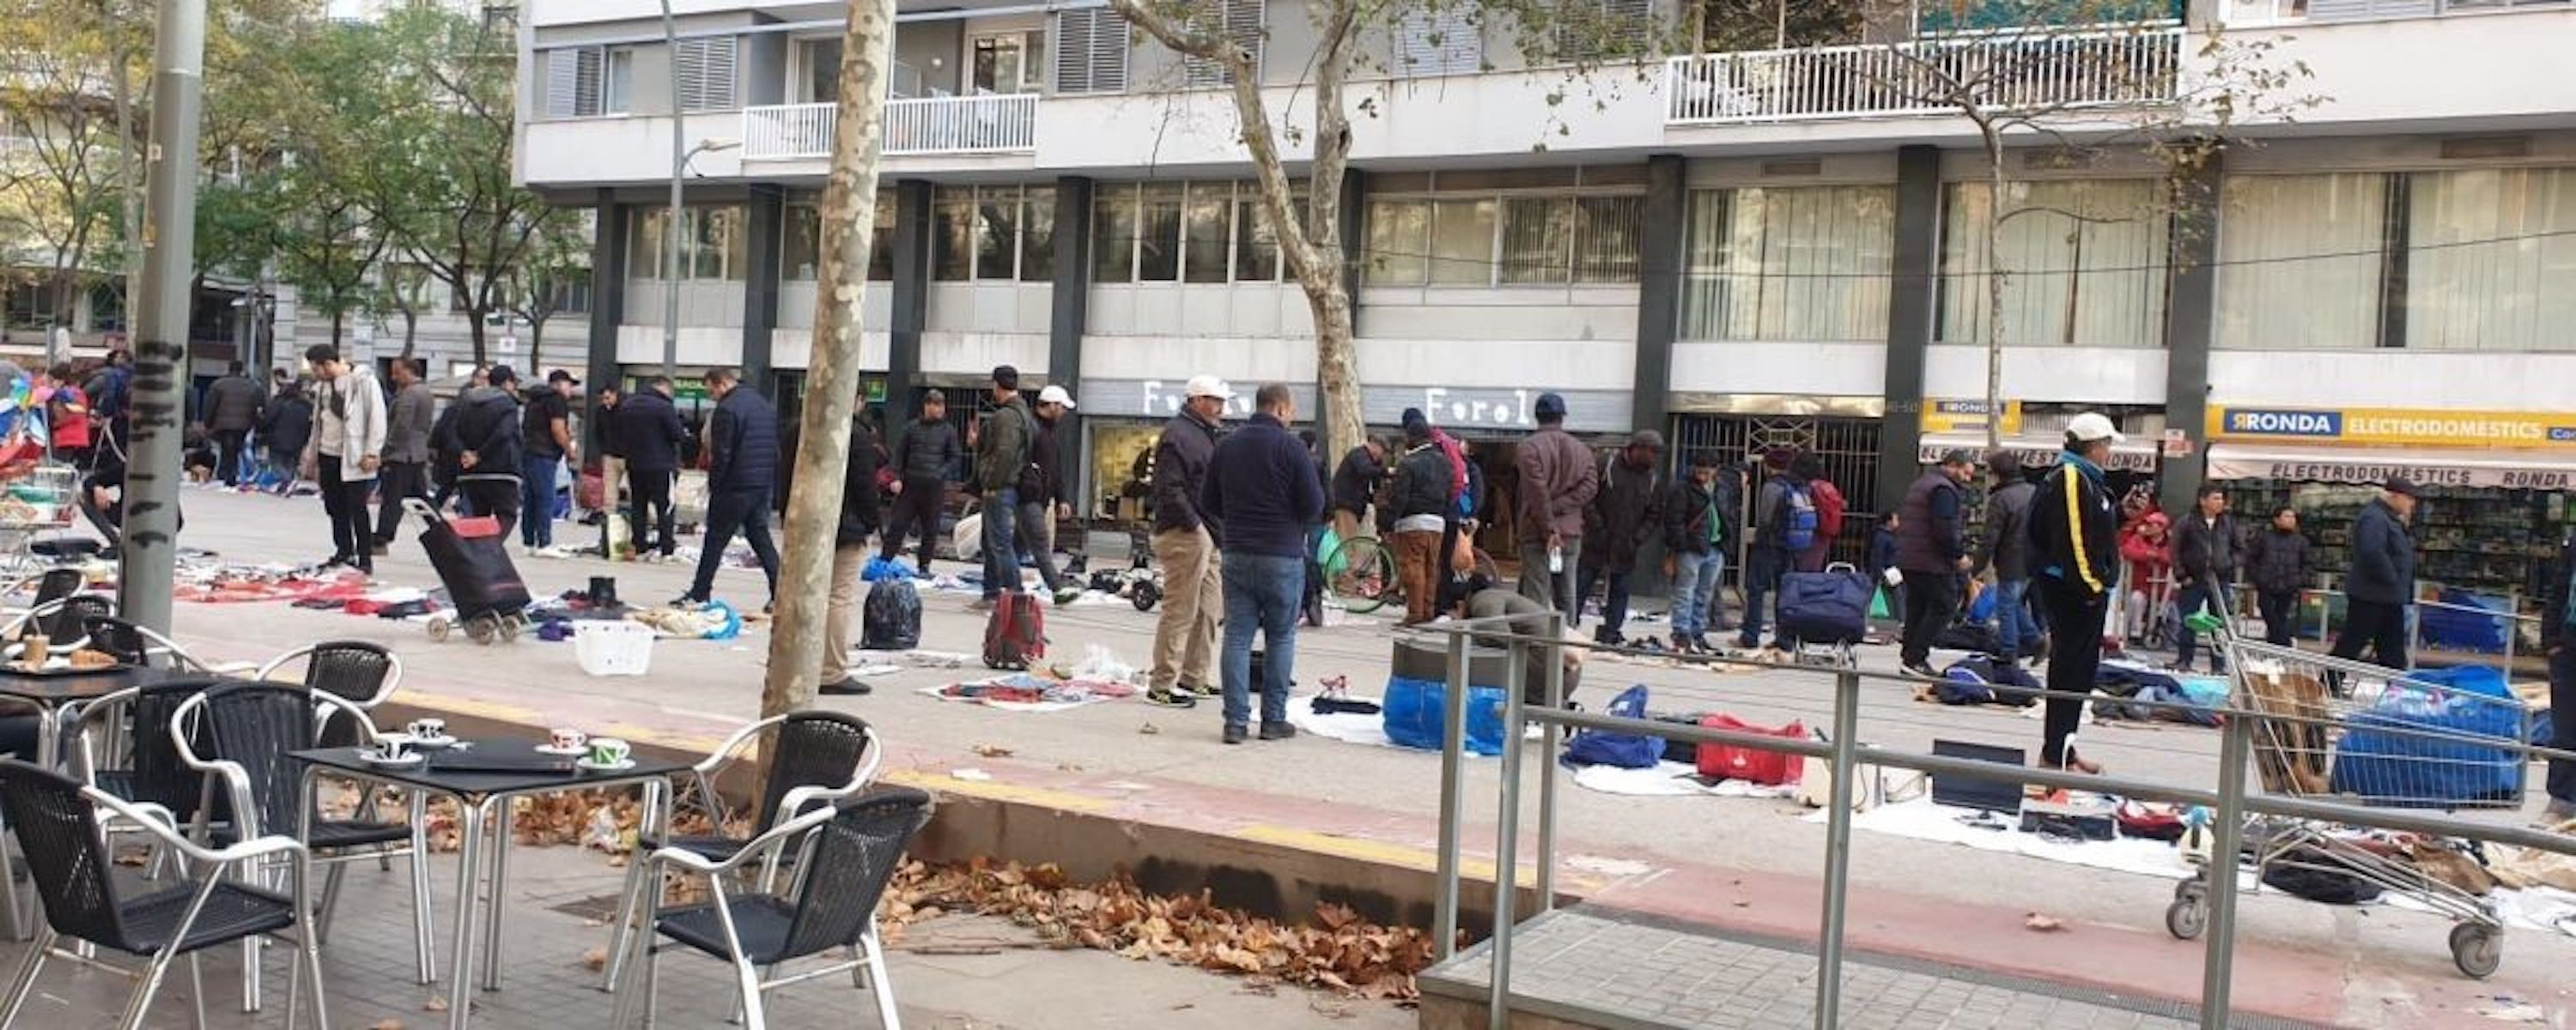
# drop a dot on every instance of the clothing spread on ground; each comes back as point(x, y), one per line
point(1033, 692)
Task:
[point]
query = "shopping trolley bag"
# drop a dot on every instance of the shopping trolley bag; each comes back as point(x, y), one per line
point(472, 560)
point(2426, 741)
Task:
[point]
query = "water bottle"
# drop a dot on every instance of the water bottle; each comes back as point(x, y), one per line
point(1555, 560)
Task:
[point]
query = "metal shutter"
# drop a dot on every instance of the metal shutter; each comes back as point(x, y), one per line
point(704, 69)
point(1237, 20)
point(572, 82)
point(1598, 28)
point(2363, 10)
point(1091, 51)
point(1443, 41)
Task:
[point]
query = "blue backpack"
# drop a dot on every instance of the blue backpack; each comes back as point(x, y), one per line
point(1623, 750)
point(1798, 527)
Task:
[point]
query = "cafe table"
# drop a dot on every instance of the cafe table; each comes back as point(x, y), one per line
point(53, 690)
point(484, 776)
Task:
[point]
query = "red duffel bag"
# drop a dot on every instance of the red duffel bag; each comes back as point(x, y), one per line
point(1768, 768)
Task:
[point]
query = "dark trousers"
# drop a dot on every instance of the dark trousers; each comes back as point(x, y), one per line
point(651, 489)
point(2201, 596)
point(2074, 660)
point(228, 451)
point(2379, 627)
point(2279, 608)
point(2562, 730)
point(496, 496)
point(537, 499)
point(736, 511)
point(1931, 601)
point(346, 502)
point(916, 507)
point(1614, 598)
point(396, 481)
point(1763, 568)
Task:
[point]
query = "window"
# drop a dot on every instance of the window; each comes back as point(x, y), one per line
point(1438, 41)
point(1091, 51)
point(2300, 260)
point(711, 244)
point(570, 293)
point(1608, 238)
point(2491, 259)
point(1158, 234)
point(997, 232)
point(1538, 241)
point(573, 82)
point(1239, 21)
point(1113, 235)
point(1598, 29)
point(2084, 264)
point(952, 227)
point(1037, 236)
point(821, 60)
point(802, 256)
point(1011, 62)
point(1256, 254)
point(620, 93)
point(1200, 232)
point(1799, 264)
point(1475, 239)
point(1462, 242)
point(704, 72)
point(1209, 224)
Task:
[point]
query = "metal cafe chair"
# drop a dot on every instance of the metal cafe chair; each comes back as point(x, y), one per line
point(121, 744)
point(845, 856)
point(137, 645)
point(64, 622)
point(61, 825)
point(51, 585)
point(819, 757)
point(357, 671)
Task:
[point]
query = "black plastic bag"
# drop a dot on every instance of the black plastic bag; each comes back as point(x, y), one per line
point(892, 619)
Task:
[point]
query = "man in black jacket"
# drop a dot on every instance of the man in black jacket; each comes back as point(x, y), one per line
point(232, 410)
point(850, 555)
point(1694, 550)
point(2205, 565)
point(1043, 498)
point(2558, 638)
point(2276, 561)
point(649, 431)
point(923, 458)
point(742, 470)
point(1185, 538)
point(1355, 485)
point(1420, 503)
point(2382, 582)
point(2075, 549)
point(1616, 524)
point(1932, 549)
point(1001, 447)
point(485, 439)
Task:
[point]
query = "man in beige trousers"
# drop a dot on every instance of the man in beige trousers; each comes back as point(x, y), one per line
point(1185, 547)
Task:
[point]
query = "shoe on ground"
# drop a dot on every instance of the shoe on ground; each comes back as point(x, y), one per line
point(2074, 763)
point(980, 605)
point(1170, 697)
point(1683, 645)
point(381, 549)
point(2557, 814)
point(1921, 669)
point(1277, 731)
point(1204, 689)
point(1234, 733)
point(686, 601)
point(1067, 596)
point(850, 687)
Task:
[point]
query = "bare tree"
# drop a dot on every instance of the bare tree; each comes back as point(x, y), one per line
point(538, 286)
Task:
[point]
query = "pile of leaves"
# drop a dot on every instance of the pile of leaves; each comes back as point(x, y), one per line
point(1338, 951)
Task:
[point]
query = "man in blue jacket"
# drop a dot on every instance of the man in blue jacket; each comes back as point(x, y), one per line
point(742, 471)
point(1261, 494)
point(2382, 582)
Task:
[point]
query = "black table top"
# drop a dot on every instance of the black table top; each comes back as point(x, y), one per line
point(492, 766)
point(55, 688)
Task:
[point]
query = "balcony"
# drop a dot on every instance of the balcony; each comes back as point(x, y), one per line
point(2276, 12)
point(990, 124)
point(2108, 67)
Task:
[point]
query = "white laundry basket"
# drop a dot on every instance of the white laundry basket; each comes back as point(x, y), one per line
point(613, 648)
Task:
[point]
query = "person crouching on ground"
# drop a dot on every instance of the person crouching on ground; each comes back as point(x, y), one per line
point(1262, 493)
point(1474, 599)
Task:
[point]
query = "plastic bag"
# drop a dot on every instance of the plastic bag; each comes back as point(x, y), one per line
point(887, 568)
point(891, 618)
point(728, 628)
point(1415, 711)
point(1101, 663)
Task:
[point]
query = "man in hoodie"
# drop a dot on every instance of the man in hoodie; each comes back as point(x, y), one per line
point(2558, 638)
point(346, 450)
point(1622, 514)
point(2074, 541)
point(232, 411)
point(1419, 504)
point(285, 426)
point(406, 471)
point(2006, 552)
point(1043, 496)
point(850, 553)
point(1932, 551)
point(482, 431)
point(1558, 478)
point(547, 436)
point(922, 458)
point(2205, 561)
point(1001, 458)
point(2382, 582)
point(2276, 563)
point(1185, 536)
point(742, 474)
point(1262, 493)
point(649, 431)
point(1694, 550)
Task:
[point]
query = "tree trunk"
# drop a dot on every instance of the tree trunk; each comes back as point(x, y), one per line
point(832, 381)
point(474, 332)
point(338, 317)
point(536, 343)
point(1994, 287)
point(1337, 370)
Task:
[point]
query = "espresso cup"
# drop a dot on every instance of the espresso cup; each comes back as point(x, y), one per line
point(427, 729)
point(607, 751)
point(568, 740)
point(391, 749)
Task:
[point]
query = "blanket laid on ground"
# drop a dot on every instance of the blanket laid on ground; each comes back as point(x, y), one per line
point(1671, 780)
point(245, 584)
point(1032, 692)
point(1922, 819)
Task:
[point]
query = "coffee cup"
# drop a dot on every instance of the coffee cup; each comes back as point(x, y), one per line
point(609, 751)
point(568, 740)
point(427, 729)
point(390, 749)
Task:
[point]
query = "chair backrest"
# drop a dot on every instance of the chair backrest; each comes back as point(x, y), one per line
point(67, 855)
point(160, 777)
point(70, 620)
point(847, 865)
point(810, 749)
point(256, 725)
point(57, 584)
point(121, 640)
point(353, 670)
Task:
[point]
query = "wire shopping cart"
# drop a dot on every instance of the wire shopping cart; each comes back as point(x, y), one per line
point(2349, 731)
point(42, 500)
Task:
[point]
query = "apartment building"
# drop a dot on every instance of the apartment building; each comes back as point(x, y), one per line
point(1743, 249)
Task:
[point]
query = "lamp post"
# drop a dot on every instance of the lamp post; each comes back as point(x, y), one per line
point(671, 228)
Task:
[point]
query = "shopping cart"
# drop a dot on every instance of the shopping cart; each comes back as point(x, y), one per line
point(2359, 733)
point(44, 499)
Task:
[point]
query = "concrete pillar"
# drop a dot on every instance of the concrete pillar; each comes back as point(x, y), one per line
point(2191, 305)
point(911, 297)
point(1072, 285)
point(607, 289)
point(1911, 300)
point(1659, 288)
point(764, 224)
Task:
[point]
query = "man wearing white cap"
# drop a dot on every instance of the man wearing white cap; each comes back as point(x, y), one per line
point(1042, 492)
point(1185, 546)
point(2075, 543)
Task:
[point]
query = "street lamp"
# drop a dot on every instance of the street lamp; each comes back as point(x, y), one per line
point(671, 240)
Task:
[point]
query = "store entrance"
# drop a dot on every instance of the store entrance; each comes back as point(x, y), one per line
point(1848, 447)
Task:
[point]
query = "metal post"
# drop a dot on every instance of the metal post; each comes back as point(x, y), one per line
point(671, 216)
point(1453, 785)
point(161, 326)
point(1829, 939)
point(1507, 832)
point(1549, 744)
point(2219, 960)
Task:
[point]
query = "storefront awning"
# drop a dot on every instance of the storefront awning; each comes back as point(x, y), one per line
point(2133, 455)
point(2511, 468)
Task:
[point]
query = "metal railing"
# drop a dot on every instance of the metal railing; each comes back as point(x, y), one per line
point(988, 124)
point(2230, 801)
point(2020, 69)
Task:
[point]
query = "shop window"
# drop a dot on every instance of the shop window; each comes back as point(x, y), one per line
point(2084, 263)
point(1805, 263)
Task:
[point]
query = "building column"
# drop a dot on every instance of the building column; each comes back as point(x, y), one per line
point(607, 288)
point(911, 297)
point(1072, 284)
point(2191, 306)
point(764, 223)
point(1659, 289)
point(1911, 300)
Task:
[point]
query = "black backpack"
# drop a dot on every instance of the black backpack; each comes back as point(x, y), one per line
point(891, 620)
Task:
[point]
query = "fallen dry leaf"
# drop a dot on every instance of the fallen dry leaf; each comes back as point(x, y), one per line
point(436, 1003)
point(2043, 924)
point(595, 958)
point(992, 751)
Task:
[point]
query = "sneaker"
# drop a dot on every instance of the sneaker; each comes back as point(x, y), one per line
point(1234, 733)
point(686, 601)
point(1682, 645)
point(1921, 669)
point(1171, 698)
point(1277, 731)
point(848, 687)
point(1067, 596)
point(1204, 690)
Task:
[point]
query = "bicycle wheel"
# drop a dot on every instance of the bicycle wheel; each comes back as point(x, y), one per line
point(1361, 573)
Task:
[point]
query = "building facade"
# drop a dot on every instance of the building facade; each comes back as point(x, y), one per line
point(1744, 250)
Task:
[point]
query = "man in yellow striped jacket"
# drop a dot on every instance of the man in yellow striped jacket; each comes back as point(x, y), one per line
point(2074, 546)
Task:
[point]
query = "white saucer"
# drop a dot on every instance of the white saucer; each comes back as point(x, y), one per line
point(435, 743)
point(586, 765)
point(567, 752)
point(406, 761)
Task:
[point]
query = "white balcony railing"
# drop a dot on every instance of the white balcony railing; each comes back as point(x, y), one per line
point(990, 124)
point(2093, 68)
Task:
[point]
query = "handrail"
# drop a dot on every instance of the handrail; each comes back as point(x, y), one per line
point(2096, 67)
point(981, 124)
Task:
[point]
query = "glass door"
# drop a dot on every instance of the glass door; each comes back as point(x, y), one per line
point(820, 60)
point(1007, 62)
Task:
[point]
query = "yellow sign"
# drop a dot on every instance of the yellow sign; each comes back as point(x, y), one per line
point(1959, 416)
point(2384, 427)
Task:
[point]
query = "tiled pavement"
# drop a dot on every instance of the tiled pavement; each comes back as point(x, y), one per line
point(1627, 971)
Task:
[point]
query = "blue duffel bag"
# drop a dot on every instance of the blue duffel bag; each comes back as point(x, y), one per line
point(1829, 607)
point(2421, 743)
point(1623, 750)
point(1414, 710)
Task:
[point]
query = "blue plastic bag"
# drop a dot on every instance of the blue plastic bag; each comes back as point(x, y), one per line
point(2471, 623)
point(1983, 608)
point(1623, 750)
point(887, 568)
point(2419, 744)
point(1414, 711)
point(730, 628)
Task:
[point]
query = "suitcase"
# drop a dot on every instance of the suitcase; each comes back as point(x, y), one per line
point(1829, 607)
point(1015, 636)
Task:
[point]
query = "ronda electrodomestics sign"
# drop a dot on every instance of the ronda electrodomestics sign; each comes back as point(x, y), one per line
point(2394, 427)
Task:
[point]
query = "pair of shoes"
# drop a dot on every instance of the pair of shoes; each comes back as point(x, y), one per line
point(1277, 731)
point(849, 687)
point(1169, 697)
point(1922, 669)
point(2074, 763)
point(1234, 733)
point(1203, 690)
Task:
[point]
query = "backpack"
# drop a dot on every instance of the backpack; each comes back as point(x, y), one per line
point(1829, 509)
point(891, 620)
point(1015, 637)
point(1622, 750)
point(1798, 517)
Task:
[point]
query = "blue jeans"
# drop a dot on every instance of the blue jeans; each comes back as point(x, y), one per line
point(2015, 626)
point(537, 499)
point(1762, 571)
point(1695, 577)
point(1001, 555)
point(2201, 595)
point(1261, 593)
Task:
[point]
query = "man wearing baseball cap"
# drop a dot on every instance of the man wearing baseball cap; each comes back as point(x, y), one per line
point(2074, 547)
point(1043, 497)
point(2382, 582)
point(1185, 546)
point(1558, 478)
point(547, 430)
